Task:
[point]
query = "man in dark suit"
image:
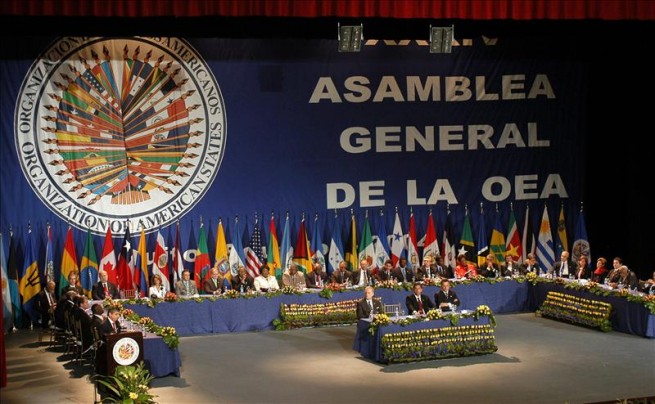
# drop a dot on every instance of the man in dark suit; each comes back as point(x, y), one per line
point(72, 284)
point(403, 273)
point(530, 265)
point(443, 271)
point(48, 304)
point(342, 275)
point(426, 271)
point(369, 306)
point(243, 282)
point(80, 315)
point(213, 285)
point(97, 317)
point(104, 289)
point(510, 267)
point(565, 267)
point(445, 296)
point(489, 269)
point(386, 272)
point(111, 324)
point(317, 278)
point(417, 302)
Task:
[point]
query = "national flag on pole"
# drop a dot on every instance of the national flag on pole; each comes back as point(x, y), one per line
point(430, 245)
point(237, 258)
point(68, 261)
point(497, 244)
point(140, 258)
point(412, 245)
point(562, 240)
point(253, 253)
point(89, 265)
point(286, 251)
point(7, 312)
point(49, 267)
point(160, 261)
point(273, 250)
point(316, 246)
point(13, 278)
point(483, 246)
point(366, 249)
point(222, 255)
point(449, 252)
point(30, 284)
point(545, 251)
point(301, 253)
point(108, 261)
point(380, 244)
point(581, 244)
point(529, 244)
point(513, 242)
point(466, 243)
point(351, 245)
point(397, 240)
point(335, 254)
point(202, 265)
point(123, 268)
point(178, 263)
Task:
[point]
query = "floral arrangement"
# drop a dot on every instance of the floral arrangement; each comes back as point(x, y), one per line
point(170, 297)
point(313, 315)
point(112, 304)
point(438, 343)
point(169, 334)
point(329, 289)
point(531, 277)
point(127, 312)
point(646, 300)
point(432, 281)
point(378, 320)
point(577, 310)
point(289, 290)
point(231, 294)
point(129, 384)
point(389, 284)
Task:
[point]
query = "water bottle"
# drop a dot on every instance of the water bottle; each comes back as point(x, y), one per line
point(397, 312)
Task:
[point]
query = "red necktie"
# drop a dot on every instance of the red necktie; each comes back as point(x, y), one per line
point(420, 303)
point(104, 285)
point(113, 325)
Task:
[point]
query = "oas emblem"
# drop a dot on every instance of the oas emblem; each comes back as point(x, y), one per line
point(126, 351)
point(116, 130)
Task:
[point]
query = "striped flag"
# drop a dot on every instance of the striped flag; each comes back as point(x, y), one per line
point(160, 261)
point(380, 244)
point(273, 250)
point(7, 312)
point(89, 265)
point(545, 251)
point(30, 284)
point(108, 261)
point(366, 249)
point(301, 253)
point(430, 245)
point(140, 258)
point(124, 266)
point(68, 261)
point(483, 246)
point(237, 257)
point(449, 252)
point(253, 253)
point(513, 243)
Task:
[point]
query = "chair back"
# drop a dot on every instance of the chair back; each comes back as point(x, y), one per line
point(128, 293)
point(392, 309)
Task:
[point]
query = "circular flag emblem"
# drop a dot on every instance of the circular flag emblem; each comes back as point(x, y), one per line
point(126, 351)
point(116, 131)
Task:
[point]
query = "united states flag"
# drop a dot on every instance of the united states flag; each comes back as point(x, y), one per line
point(254, 256)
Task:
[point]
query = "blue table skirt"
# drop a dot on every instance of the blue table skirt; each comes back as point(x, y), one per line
point(255, 314)
point(628, 317)
point(370, 346)
point(159, 358)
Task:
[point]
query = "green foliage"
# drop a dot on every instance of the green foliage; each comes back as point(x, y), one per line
point(128, 385)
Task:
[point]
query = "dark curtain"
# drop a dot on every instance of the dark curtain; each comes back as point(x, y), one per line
point(439, 9)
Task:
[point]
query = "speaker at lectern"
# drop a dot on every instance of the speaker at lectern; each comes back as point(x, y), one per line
point(121, 349)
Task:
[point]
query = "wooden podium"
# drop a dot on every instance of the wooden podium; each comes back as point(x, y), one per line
point(121, 349)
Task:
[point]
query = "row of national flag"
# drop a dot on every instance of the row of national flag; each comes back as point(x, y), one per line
point(131, 269)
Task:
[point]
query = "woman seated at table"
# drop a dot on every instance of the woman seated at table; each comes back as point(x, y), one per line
point(583, 265)
point(600, 273)
point(157, 288)
point(464, 269)
point(265, 282)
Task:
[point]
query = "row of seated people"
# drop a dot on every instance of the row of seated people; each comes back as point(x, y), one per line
point(417, 303)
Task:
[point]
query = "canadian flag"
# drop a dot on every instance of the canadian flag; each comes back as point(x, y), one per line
point(108, 261)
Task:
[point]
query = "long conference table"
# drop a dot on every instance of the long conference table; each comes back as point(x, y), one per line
point(257, 313)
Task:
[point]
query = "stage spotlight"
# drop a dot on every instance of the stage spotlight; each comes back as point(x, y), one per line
point(350, 37)
point(441, 39)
